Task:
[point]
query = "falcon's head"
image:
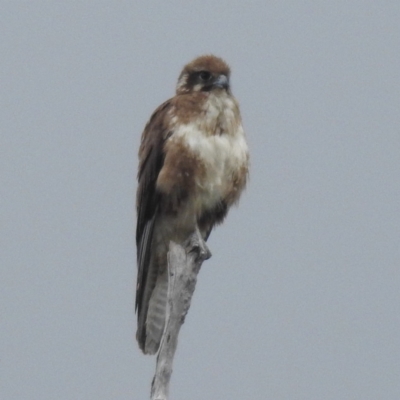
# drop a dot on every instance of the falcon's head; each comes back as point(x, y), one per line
point(204, 74)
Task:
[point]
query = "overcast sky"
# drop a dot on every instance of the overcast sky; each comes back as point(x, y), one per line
point(301, 299)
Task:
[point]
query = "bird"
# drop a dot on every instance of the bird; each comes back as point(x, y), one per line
point(193, 166)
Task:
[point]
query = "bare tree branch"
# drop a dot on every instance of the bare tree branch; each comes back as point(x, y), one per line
point(183, 266)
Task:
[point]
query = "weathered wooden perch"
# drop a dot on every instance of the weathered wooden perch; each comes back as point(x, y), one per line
point(184, 264)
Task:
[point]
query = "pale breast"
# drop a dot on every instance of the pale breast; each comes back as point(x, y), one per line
point(218, 143)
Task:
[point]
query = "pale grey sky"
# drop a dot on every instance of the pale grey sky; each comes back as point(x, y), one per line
point(301, 299)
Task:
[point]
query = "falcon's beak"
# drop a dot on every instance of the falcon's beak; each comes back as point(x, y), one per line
point(222, 82)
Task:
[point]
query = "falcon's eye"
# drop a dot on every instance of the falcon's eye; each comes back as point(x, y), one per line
point(205, 76)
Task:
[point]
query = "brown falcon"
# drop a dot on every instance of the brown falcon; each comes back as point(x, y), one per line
point(193, 166)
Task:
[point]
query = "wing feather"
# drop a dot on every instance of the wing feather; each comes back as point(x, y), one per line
point(151, 160)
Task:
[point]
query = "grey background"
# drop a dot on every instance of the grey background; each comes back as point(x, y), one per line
point(301, 299)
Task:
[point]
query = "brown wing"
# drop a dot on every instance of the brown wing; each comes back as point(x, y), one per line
point(151, 160)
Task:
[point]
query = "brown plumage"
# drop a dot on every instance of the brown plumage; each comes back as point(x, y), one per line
point(193, 165)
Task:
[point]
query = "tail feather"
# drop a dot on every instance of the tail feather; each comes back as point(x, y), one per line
point(156, 314)
point(151, 279)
